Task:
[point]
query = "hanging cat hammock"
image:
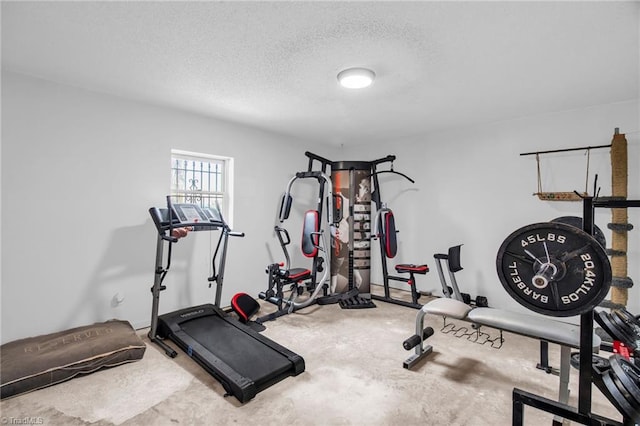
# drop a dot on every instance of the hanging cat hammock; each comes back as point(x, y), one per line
point(562, 195)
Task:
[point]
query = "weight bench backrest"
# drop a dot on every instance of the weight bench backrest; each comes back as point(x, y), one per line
point(388, 232)
point(453, 259)
point(310, 236)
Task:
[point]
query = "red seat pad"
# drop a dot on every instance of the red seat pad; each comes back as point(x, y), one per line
point(416, 269)
point(298, 274)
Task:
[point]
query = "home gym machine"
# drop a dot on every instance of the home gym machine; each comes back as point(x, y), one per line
point(345, 276)
point(348, 201)
point(351, 234)
point(242, 360)
point(313, 246)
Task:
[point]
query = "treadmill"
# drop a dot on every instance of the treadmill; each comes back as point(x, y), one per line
point(241, 359)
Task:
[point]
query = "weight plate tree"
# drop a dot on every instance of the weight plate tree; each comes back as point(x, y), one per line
point(554, 269)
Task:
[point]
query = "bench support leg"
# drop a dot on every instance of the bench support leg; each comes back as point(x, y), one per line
point(565, 370)
point(421, 350)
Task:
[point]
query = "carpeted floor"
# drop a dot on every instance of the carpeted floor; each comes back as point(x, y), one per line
point(353, 376)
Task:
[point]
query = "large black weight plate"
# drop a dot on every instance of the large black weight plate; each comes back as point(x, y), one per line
point(554, 269)
point(630, 329)
point(577, 222)
point(628, 375)
point(628, 316)
point(618, 399)
point(634, 409)
point(604, 320)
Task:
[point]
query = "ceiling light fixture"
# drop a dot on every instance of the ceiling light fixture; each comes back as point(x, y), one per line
point(356, 78)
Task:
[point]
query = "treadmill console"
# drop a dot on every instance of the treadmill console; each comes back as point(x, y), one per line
point(190, 213)
point(212, 214)
point(186, 214)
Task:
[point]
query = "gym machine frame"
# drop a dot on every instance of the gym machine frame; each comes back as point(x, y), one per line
point(379, 205)
point(380, 209)
point(321, 259)
point(350, 298)
point(583, 414)
point(319, 175)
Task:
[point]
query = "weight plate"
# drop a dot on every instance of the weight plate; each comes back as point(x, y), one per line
point(554, 269)
point(598, 362)
point(634, 409)
point(577, 222)
point(631, 330)
point(623, 391)
point(618, 399)
point(628, 317)
point(604, 320)
point(619, 323)
point(628, 375)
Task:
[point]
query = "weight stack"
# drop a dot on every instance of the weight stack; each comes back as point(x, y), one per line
point(352, 189)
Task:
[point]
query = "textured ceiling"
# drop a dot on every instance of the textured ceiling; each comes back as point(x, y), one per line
point(273, 65)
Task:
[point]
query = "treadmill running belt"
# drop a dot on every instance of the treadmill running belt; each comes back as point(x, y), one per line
point(237, 349)
point(244, 361)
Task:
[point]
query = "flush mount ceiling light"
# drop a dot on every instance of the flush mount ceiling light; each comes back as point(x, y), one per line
point(356, 78)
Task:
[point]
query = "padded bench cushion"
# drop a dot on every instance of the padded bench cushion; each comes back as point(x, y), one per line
point(37, 362)
point(542, 328)
point(416, 269)
point(447, 307)
point(298, 274)
point(549, 330)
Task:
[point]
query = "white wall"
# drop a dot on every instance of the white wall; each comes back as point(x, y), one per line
point(473, 187)
point(79, 172)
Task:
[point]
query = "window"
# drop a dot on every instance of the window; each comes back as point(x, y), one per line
point(202, 179)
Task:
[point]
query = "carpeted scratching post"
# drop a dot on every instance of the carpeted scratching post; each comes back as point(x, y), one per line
point(619, 218)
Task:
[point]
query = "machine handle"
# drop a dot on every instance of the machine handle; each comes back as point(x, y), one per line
point(169, 238)
point(388, 158)
point(313, 156)
point(312, 174)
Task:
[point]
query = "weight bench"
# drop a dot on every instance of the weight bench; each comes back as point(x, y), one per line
point(544, 329)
